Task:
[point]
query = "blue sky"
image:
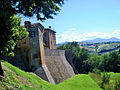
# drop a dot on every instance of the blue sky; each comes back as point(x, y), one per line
point(85, 19)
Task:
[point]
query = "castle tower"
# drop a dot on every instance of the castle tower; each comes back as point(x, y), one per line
point(49, 38)
point(36, 44)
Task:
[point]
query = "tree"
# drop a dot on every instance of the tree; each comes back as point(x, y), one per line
point(94, 61)
point(80, 60)
point(81, 56)
point(18, 33)
point(43, 9)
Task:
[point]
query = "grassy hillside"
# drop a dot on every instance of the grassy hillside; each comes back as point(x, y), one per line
point(16, 79)
point(79, 82)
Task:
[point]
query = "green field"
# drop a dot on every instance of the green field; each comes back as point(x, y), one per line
point(79, 82)
point(19, 80)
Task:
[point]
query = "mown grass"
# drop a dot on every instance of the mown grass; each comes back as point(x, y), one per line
point(79, 82)
point(16, 79)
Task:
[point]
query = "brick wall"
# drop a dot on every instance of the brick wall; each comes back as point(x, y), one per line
point(57, 65)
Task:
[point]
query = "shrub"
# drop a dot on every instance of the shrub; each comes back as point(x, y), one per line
point(96, 71)
point(105, 79)
point(117, 85)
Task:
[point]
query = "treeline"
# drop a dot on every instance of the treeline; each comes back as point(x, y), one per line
point(85, 62)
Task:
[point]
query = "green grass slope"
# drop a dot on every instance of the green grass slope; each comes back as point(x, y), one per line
point(16, 79)
point(79, 82)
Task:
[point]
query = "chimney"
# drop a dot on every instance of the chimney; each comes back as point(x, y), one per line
point(27, 24)
point(49, 27)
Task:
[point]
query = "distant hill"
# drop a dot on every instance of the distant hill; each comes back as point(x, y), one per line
point(96, 40)
point(61, 43)
point(99, 40)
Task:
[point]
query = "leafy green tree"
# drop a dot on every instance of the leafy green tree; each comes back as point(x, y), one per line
point(114, 62)
point(81, 56)
point(80, 60)
point(43, 9)
point(103, 66)
point(94, 61)
point(18, 33)
point(110, 62)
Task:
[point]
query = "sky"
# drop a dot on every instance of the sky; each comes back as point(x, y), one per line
point(81, 20)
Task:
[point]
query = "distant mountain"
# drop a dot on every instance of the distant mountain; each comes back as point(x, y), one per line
point(61, 43)
point(99, 40)
point(96, 40)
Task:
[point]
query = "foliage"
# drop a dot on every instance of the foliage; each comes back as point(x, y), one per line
point(113, 80)
point(117, 85)
point(96, 71)
point(41, 8)
point(81, 56)
point(85, 62)
point(94, 61)
point(18, 33)
point(111, 62)
point(105, 79)
point(106, 62)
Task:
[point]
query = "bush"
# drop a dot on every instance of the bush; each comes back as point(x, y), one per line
point(105, 79)
point(96, 71)
point(117, 85)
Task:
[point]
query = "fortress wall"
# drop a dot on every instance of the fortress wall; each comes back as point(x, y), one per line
point(22, 55)
point(57, 65)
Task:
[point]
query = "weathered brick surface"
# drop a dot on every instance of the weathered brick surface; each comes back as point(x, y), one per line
point(41, 73)
point(22, 57)
point(49, 38)
point(57, 64)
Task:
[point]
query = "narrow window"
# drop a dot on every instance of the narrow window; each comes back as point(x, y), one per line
point(31, 34)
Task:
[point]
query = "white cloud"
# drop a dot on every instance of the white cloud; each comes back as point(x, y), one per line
point(73, 35)
point(73, 29)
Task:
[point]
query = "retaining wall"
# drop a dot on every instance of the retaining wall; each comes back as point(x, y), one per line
point(57, 65)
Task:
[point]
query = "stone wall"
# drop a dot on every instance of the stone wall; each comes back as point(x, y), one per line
point(22, 57)
point(57, 65)
point(49, 38)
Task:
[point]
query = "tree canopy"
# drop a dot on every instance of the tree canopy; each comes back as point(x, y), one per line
point(41, 8)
